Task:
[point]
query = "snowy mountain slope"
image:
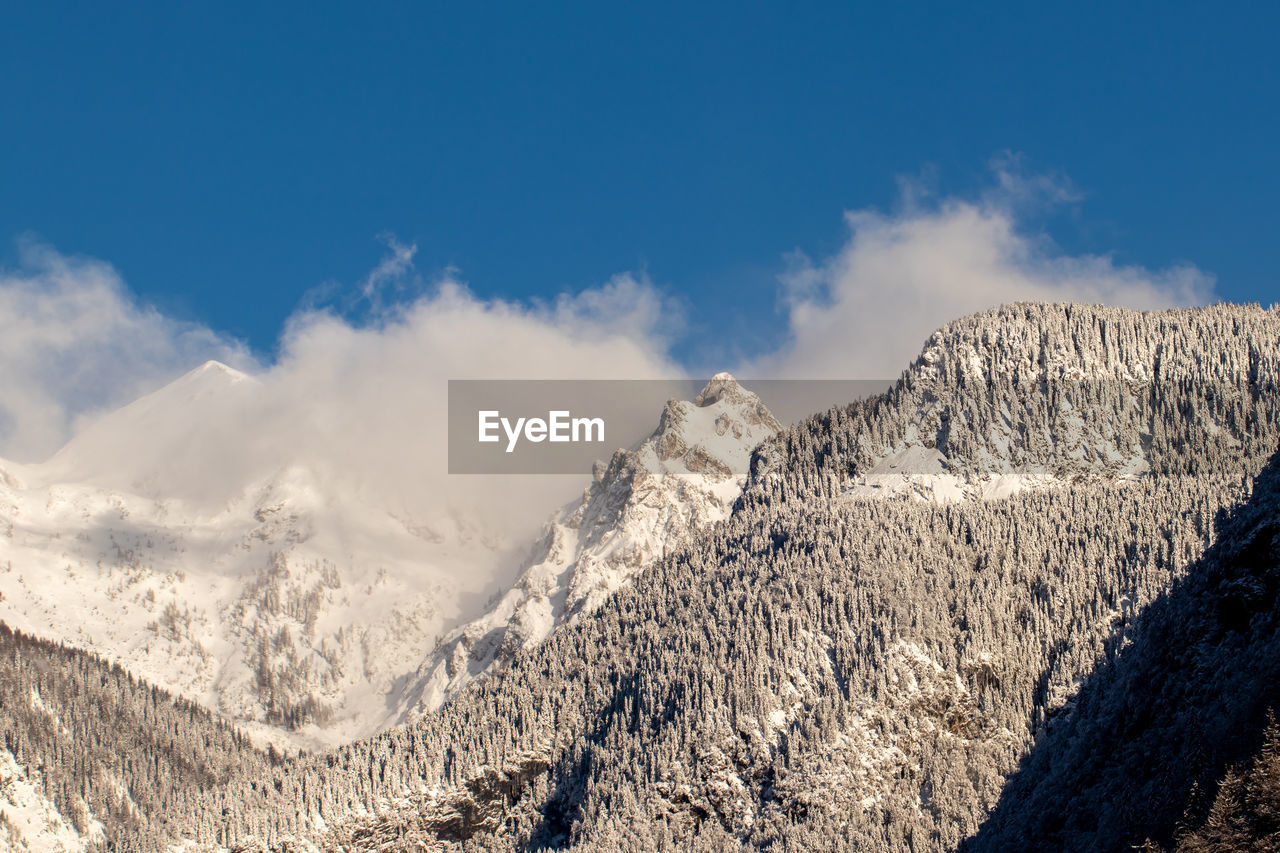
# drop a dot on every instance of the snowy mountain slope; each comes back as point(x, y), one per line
point(263, 586)
point(824, 671)
point(1176, 703)
point(271, 589)
point(90, 753)
point(29, 823)
point(643, 504)
point(829, 672)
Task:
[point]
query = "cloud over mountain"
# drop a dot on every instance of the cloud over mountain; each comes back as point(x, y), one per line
point(372, 375)
point(75, 341)
point(864, 312)
point(357, 401)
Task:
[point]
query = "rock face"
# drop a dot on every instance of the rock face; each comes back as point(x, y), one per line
point(641, 505)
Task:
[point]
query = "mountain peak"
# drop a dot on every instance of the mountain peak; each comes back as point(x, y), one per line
point(146, 447)
point(724, 416)
point(719, 387)
point(642, 504)
point(213, 369)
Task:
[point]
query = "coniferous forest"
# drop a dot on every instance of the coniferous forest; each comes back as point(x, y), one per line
point(1072, 643)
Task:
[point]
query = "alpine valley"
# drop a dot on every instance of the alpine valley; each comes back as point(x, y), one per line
point(1027, 598)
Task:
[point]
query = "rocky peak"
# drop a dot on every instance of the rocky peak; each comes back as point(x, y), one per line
point(711, 432)
point(642, 504)
point(719, 387)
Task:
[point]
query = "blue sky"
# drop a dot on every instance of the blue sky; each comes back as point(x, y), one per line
point(230, 159)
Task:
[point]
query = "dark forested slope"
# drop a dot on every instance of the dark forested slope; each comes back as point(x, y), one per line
point(1153, 727)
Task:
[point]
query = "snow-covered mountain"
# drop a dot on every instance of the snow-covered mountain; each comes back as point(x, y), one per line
point(640, 506)
point(827, 669)
point(273, 589)
point(1029, 397)
point(831, 670)
point(263, 585)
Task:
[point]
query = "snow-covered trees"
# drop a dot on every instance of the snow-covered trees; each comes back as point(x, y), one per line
point(830, 669)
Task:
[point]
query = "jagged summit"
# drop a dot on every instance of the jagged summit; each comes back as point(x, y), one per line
point(718, 387)
point(641, 505)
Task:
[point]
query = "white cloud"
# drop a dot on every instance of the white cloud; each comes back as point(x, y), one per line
point(348, 425)
point(73, 341)
point(360, 405)
point(866, 312)
point(369, 401)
